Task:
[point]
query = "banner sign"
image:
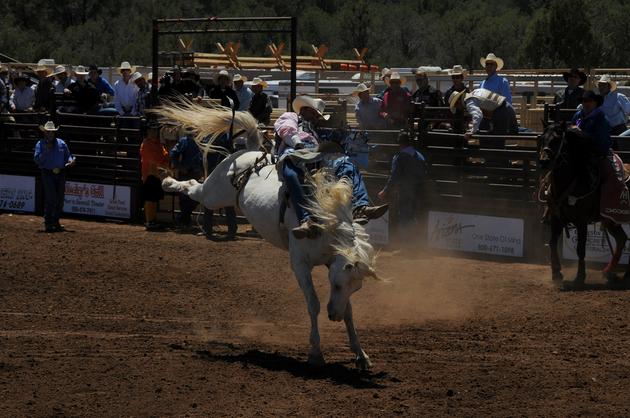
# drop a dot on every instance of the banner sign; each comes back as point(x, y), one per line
point(97, 200)
point(597, 248)
point(378, 229)
point(17, 193)
point(476, 233)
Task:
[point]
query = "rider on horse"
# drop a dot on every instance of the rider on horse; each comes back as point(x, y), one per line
point(295, 131)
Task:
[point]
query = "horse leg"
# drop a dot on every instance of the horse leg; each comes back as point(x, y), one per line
point(620, 242)
point(556, 267)
point(362, 360)
point(303, 275)
point(581, 253)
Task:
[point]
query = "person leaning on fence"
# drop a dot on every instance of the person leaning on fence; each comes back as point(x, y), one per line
point(45, 91)
point(84, 92)
point(260, 106)
point(126, 91)
point(386, 75)
point(53, 158)
point(243, 92)
point(188, 161)
point(222, 91)
point(396, 103)
point(571, 96)
point(457, 74)
point(616, 105)
point(101, 84)
point(23, 97)
point(368, 109)
point(408, 175)
point(494, 82)
point(62, 81)
point(143, 98)
point(426, 93)
point(153, 155)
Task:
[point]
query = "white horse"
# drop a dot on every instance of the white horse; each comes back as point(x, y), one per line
point(342, 246)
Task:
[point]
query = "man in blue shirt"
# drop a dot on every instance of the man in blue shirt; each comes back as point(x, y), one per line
point(495, 82)
point(53, 157)
point(99, 82)
point(616, 105)
point(368, 110)
point(187, 159)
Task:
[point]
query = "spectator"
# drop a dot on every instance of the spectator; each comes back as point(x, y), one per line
point(4, 90)
point(45, 91)
point(214, 158)
point(175, 85)
point(187, 160)
point(493, 81)
point(125, 92)
point(571, 96)
point(53, 158)
point(62, 81)
point(386, 75)
point(143, 100)
point(407, 177)
point(616, 105)
point(153, 155)
point(101, 84)
point(368, 110)
point(426, 93)
point(84, 92)
point(23, 97)
point(457, 74)
point(222, 91)
point(260, 105)
point(243, 92)
point(396, 103)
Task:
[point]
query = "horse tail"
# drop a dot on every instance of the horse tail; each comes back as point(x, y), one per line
point(210, 122)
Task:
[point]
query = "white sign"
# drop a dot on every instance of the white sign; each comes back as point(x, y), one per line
point(97, 200)
point(597, 248)
point(378, 229)
point(17, 193)
point(476, 233)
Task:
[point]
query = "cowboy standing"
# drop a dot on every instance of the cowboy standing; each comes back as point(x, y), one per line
point(396, 103)
point(222, 91)
point(53, 157)
point(571, 96)
point(616, 105)
point(125, 91)
point(260, 106)
point(426, 93)
point(243, 92)
point(368, 110)
point(143, 99)
point(44, 92)
point(493, 81)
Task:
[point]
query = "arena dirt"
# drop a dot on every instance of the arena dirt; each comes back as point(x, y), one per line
point(110, 320)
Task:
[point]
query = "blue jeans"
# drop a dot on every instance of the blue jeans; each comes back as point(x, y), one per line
point(345, 168)
point(294, 178)
point(186, 208)
point(54, 186)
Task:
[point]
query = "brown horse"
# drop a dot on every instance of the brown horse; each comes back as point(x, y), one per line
point(574, 198)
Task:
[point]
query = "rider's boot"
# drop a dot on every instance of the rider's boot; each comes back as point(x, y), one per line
point(307, 229)
point(363, 214)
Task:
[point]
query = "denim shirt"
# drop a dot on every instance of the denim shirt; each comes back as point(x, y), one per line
point(499, 85)
point(616, 107)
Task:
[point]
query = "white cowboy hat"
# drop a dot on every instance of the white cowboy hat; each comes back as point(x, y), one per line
point(60, 69)
point(136, 76)
point(49, 127)
point(360, 89)
point(457, 70)
point(126, 66)
point(397, 76)
point(306, 101)
point(238, 77)
point(422, 70)
point(607, 80)
point(257, 81)
point(81, 70)
point(43, 68)
point(222, 73)
point(385, 72)
point(492, 57)
point(454, 98)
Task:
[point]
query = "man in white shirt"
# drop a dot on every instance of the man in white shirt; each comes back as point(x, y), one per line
point(243, 92)
point(23, 96)
point(126, 92)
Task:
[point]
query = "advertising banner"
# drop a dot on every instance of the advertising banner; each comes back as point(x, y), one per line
point(98, 200)
point(17, 193)
point(597, 248)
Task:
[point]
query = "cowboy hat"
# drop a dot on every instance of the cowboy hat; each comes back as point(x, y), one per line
point(238, 77)
point(494, 58)
point(360, 88)
point(455, 97)
point(396, 76)
point(605, 79)
point(572, 71)
point(93, 67)
point(222, 73)
point(60, 69)
point(306, 101)
point(257, 81)
point(49, 127)
point(422, 71)
point(80, 70)
point(385, 72)
point(126, 66)
point(136, 76)
point(43, 68)
point(457, 70)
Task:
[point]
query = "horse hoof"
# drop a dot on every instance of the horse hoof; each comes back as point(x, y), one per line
point(611, 277)
point(316, 360)
point(557, 276)
point(363, 363)
point(578, 283)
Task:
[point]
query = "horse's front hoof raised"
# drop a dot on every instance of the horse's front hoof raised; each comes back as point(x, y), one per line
point(363, 363)
point(316, 360)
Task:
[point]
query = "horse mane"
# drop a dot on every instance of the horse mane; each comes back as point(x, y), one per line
point(331, 206)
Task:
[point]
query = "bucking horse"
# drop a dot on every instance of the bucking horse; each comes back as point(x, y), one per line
point(249, 179)
point(572, 189)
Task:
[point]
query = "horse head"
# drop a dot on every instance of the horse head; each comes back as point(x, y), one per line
point(346, 277)
point(550, 143)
